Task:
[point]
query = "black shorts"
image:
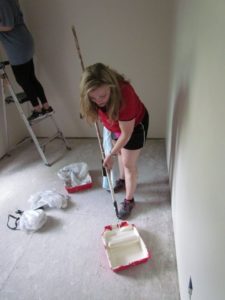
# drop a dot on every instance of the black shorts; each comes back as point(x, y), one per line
point(139, 135)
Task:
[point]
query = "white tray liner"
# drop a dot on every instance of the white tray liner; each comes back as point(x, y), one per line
point(128, 247)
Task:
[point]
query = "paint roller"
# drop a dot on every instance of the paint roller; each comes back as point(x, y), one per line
point(123, 239)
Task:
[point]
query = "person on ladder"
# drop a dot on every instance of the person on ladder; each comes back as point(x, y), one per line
point(18, 44)
point(107, 95)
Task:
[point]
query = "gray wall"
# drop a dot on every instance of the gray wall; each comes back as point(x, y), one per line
point(196, 147)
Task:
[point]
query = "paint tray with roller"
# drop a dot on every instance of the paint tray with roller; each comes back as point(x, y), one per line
point(124, 246)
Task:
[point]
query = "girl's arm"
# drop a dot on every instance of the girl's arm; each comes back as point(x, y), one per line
point(126, 128)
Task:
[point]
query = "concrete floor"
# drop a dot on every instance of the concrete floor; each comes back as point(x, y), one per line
point(65, 259)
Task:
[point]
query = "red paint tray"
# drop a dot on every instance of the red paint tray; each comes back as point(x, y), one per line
point(124, 246)
point(82, 187)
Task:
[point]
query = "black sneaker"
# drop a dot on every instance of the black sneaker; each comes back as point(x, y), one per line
point(126, 208)
point(47, 110)
point(120, 185)
point(35, 115)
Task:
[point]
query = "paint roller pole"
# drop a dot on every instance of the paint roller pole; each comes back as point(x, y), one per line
point(96, 126)
point(78, 51)
point(107, 171)
point(78, 47)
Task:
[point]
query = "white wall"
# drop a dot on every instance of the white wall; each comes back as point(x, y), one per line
point(132, 36)
point(196, 147)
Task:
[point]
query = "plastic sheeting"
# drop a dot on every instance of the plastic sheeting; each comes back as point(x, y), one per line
point(48, 199)
point(75, 174)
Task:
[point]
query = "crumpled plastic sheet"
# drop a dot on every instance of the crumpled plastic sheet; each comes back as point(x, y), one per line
point(32, 220)
point(75, 174)
point(48, 198)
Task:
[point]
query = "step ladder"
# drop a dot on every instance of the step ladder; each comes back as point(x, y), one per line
point(18, 99)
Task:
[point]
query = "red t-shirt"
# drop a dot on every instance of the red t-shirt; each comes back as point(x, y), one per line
point(131, 108)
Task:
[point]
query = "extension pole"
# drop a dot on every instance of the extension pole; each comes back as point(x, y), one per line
point(96, 127)
point(78, 47)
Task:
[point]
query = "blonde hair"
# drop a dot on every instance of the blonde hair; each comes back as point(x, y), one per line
point(93, 77)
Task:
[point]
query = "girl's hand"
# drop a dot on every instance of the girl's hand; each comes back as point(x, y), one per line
point(108, 162)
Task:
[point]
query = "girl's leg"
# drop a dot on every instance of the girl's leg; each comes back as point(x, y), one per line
point(120, 163)
point(37, 86)
point(23, 77)
point(120, 183)
point(26, 78)
point(121, 167)
point(129, 161)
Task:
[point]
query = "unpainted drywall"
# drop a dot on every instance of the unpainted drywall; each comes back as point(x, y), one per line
point(196, 147)
point(134, 37)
